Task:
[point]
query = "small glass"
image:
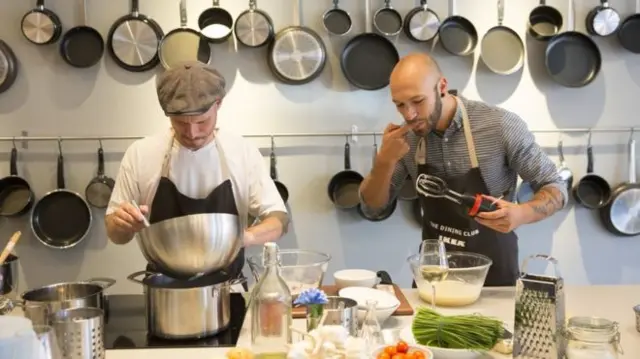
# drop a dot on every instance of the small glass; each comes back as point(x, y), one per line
point(592, 338)
point(434, 265)
point(49, 348)
point(371, 331)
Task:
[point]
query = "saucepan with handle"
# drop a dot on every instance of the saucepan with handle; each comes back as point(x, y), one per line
point(390, 208)
point(592, 191)
point(344, 186)
point(282, 189)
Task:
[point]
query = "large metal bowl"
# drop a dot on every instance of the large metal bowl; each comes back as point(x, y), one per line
point(192, 245)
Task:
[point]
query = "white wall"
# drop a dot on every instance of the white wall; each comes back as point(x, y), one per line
point(50, 98)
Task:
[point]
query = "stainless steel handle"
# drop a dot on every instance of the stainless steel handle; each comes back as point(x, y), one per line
point(133, 276)
point(103, 282)
point(545, 257)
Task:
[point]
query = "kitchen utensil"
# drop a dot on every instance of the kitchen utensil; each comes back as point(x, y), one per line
point(592, 336)
point(133, 41)
point(82, 46)
point(433, 186)
point(355, 59)
point(390, 208)
point(9, 277)
point(81, 332)
point(620, 215)
point(564, 171)
point(592, 191)
point(602, 20)
point(341, 311)
point(62, 218)
point(181, 309)
point(629, 31)
point(98, 191)
point(545, 22)
point(421, 23)
point(41, 26)
point(16, 195)
point(208, 242)
point(464, 281)
point(572, 58)
point(337, 21)
point(297, 55)
point(539, 312)
point(282, 189)
point(502, 49)
point(8, 67)
point(344, 187)
point(183, 44)
point(145, 221)
point(216, 23)
point(301, 269)
point(9, 247)
point(387, 20)
point(355, 278)
point(457, 34)
point(254, 27)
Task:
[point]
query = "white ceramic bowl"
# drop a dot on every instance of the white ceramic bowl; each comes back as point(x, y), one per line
point(386, 302)
point(428, 354)
point(441, 353)
point(355, 278)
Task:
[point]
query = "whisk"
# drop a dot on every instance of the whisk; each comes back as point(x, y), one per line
point(433, 186)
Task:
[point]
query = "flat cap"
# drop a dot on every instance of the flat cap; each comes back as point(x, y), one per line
point(189, 89)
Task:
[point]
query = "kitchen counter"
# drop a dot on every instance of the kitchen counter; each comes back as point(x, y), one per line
point(611, 302)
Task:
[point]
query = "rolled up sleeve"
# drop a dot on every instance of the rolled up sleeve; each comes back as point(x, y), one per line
point(397, 181)
point(528, 159)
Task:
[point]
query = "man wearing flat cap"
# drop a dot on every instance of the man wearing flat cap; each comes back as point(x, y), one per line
point(194, 167)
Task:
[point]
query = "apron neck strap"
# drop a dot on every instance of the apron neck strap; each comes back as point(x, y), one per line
point(466, 127)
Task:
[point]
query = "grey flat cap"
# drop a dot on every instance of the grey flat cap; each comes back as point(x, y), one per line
point(189, 89)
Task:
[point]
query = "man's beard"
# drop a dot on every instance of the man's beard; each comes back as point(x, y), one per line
point(434, 117)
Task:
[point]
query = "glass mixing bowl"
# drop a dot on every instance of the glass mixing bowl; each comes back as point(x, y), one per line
point(301, 269)
point(463, 284)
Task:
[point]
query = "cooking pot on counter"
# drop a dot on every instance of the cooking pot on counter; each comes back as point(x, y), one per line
point(185, 309)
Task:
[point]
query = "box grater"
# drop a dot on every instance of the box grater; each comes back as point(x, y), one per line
point(540, 314)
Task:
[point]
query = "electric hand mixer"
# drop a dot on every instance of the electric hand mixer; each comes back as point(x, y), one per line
point(432, 186)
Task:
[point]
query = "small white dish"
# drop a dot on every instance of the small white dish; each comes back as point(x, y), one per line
point(355, 278)
point(441, 353)
point(386, 302)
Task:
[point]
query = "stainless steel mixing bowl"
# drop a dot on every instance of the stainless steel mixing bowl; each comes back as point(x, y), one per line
point(192, 245)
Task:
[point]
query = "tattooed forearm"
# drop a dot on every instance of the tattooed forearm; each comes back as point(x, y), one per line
point(547, 201)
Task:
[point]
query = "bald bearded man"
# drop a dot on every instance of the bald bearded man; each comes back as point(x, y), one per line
point(476, 148)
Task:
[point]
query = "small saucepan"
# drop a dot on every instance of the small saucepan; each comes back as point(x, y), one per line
point(592, 191)
point(98, 191)
point(391, 207)
point(215, 23)
point(16, 195)
point(282, 189)
point(344, 187)
point(388, 20)
point(545, 22)
point(337, 21)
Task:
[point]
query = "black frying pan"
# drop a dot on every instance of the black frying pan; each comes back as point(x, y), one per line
point(8, 72)
point(545, 22)
point(391, 207)
point(215, 23)
point(572, 58)
point(16, 196)
point(282, 189)
point(183, 44)
point(502, 49)
point(98, 191)
point(356, 63)
point(82, 46)
point(629, 31)
point(62, 218)
point(388, 20)
point(618, 215)
point(133, 41)
point(41, 26)
point(457, 34)
point(344, 187)
point(592, 191)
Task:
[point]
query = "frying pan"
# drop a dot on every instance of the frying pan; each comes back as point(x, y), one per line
point(282, 189)
point(391, 207)
point(356, 63)
point(421, 23)
point(629, 32)
point(98, 191)
point(82, 46)
point(602, 20)
point(62, 218)
point(8, 67)
point(564, 171)
point(458, 36)
point(183, 44)
point(41, 26)
point(344, 186)
point(545, 22)
point(297, 55)
point(133, 41)
point(502, 49)
point(592, 191)
point(215, 23)
point(387, 20)
point(572, 58)
point(337, 21)
point(619, 215)
point(16, 196)
point(254, 27)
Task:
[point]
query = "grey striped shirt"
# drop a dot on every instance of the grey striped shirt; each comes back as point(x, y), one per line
point(505, 148)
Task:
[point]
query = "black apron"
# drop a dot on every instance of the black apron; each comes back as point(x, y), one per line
point(448, 221)
point(169, 203)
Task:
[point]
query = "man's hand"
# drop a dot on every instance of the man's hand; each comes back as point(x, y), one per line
point(505, 219)
point(128, 220)
point(394, 143)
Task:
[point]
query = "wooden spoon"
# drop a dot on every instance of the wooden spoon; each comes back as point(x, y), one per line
point(7, 250)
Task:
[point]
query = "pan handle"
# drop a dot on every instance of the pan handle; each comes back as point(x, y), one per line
point(134, 276)
point(500, 12)
point(84, 12)
point(272, 160)
point(571, 15)
point(13, 163)
point(135, 7)
point(61, 184)
point(183, 13)
point(424, 5)
point(589, 159)
point(347, 155)
point(103, 282)
point(375, 151)
point(453, 10)
point(100, 161)
point(632, 160)
point(561, 153)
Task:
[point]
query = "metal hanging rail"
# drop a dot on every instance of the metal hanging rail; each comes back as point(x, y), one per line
point(291, 135)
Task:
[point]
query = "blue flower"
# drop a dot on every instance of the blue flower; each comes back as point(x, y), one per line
point(311, 296)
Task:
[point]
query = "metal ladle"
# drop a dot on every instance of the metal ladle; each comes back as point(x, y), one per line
point(564, 171)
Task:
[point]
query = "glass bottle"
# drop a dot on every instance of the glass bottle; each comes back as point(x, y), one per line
point(592, 338)
point(371, 332)
point(271, 305)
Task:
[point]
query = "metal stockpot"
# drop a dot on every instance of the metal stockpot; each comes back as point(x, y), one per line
point(185, 309)
point(342, 311)
point(9, 276)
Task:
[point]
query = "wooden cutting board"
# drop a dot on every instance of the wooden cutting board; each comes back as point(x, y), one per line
point(331, 290)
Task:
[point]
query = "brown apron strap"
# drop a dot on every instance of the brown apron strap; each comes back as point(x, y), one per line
point(466, 127)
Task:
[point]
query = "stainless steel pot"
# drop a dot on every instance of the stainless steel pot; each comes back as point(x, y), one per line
point(9, 277)
point(342, 311)
point(181, 309)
